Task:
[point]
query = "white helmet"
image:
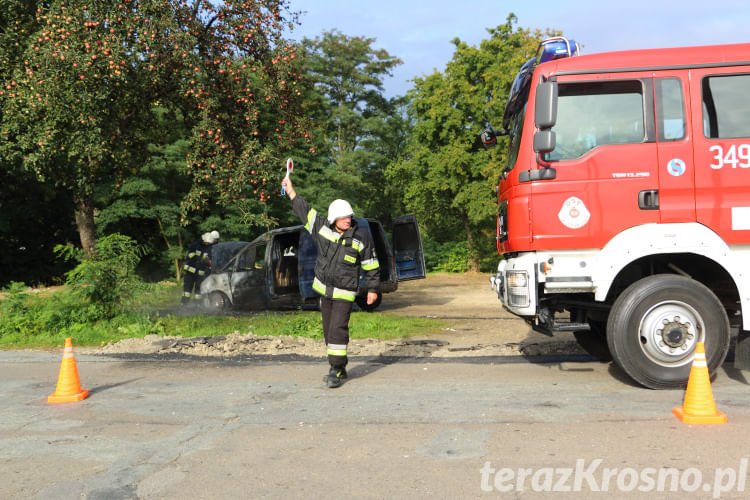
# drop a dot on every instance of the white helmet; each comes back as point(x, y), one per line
point(215, 235)
point(338, 209)
point(206, 238)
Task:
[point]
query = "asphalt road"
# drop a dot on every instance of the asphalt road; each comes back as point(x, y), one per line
point(399, 428)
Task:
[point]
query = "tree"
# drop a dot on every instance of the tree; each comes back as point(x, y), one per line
point(248, 114)
point(145, 204)
point(27, 250)
point(357, 130)
point(77, 106)
point(31, 224)
point(446, 179)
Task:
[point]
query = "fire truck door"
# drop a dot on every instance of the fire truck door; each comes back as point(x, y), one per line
point(675, 152)
point(605, 159)
point(721, 140)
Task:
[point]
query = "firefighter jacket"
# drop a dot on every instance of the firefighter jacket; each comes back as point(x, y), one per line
point(340, 256)
point(198, 258)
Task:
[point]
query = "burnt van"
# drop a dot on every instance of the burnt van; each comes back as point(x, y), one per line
point(276, 269)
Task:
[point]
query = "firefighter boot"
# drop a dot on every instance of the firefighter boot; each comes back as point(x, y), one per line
point(335, 377)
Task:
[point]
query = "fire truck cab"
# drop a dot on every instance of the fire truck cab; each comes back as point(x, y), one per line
point(624, 209)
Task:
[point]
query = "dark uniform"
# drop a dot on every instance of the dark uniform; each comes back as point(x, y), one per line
point(197, 266)
point(337, 271)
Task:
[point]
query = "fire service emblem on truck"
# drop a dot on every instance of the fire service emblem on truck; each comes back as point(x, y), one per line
point(574, 213)
point(676, 167)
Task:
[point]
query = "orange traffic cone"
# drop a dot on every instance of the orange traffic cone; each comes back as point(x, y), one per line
point(68, 385)
point(699, 406)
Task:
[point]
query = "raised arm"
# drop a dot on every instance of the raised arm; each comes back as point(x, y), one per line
point(289, 188)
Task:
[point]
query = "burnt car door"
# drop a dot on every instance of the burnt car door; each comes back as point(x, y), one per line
point(216, 287)
point(306, 256)
point(407, 249)
point(247, 276)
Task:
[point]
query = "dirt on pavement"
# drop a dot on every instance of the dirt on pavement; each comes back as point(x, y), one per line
point(476, 325)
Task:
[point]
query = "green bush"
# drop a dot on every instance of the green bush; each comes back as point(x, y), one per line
point(451, 256)
point(46, 319)
point(455, 258)
point(106, 278)
point(93, 305)
point(13, 313)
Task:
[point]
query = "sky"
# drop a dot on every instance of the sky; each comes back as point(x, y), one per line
point(420, 33)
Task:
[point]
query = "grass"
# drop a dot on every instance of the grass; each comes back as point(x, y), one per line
point(362, 325)
point(44, 321)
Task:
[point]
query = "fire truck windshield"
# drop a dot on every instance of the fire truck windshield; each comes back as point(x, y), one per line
point(519, 92)
point(515, 108)
point(514, 135)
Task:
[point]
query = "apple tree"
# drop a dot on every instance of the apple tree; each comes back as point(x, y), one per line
point(79, 102)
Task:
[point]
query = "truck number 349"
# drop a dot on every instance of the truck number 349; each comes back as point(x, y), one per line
point(736, 156)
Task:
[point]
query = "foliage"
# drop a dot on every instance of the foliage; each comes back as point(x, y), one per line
point(164, 119)
point(357, 130)
point(45, 320)
point(15, 298)
point(451, 256)
point(145, 203)
point(246, 89)
point(31, 223)
point(444, 176)
point(105, 278)
point(78, 97)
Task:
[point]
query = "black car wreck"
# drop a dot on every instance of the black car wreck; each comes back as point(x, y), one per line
point(276, 270)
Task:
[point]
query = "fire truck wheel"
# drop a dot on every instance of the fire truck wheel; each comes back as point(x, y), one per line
point(362, 302)
point(217, 301)
point(655, 324)
point(594, 342)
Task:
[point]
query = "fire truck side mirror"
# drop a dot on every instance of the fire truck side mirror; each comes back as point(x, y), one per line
point(545, 105)
point(488, 138)
point(544, 141)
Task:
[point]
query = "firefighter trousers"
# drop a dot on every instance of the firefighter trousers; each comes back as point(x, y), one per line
point(336, 329)
point(192, 280)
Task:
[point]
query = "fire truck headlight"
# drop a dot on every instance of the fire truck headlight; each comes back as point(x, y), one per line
point(518, 279)
point(518, 288)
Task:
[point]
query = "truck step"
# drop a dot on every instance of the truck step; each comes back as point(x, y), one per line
point(560, 327)
point(571, 327)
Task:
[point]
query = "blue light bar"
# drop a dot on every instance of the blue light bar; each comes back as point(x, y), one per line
point(556, 48)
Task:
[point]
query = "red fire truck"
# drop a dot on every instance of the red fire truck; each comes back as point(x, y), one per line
point(624, 208)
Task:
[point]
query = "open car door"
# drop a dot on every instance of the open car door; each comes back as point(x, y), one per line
point(306, 264)
point(247, 276)
point(407, 249)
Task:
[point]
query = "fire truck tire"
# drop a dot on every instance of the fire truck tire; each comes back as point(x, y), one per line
point(594, 342)
point(217, 301)
point(655, 324)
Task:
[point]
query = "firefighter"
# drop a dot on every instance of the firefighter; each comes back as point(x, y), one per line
point(197, 266)
point(343, 249)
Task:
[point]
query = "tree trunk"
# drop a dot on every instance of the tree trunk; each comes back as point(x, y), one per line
point(85, 222)
point(178, 261)
point(473, 261)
